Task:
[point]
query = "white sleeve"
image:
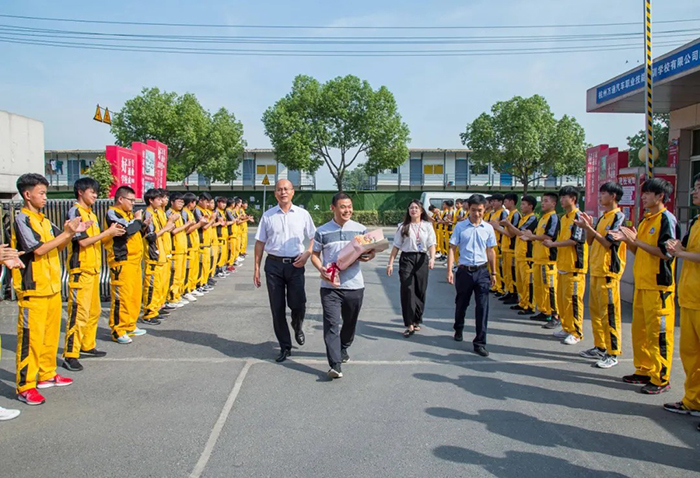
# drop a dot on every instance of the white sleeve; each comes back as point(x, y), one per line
point(310, 228)
point(261, 235)
point(432, 240)
point(398, 238)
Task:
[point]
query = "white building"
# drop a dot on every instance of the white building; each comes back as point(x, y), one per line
point(63, 167)
point(21, 146)
point(451, 169)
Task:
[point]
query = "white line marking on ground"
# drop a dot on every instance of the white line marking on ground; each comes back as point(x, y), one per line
point(219, 425)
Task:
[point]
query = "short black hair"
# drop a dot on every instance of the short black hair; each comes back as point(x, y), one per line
point(83, 184)
point(338, 197)
point(162, 193)
point(476, 200)
point(612, 188)
point(498, 197)
point(569, 191)
point(151, 194)
point(189, 198)
point(458, 200)
point(174, 196)
point(658, 186)
point(123, 191)
point(205, 196)
point(221, 199)
point(230, 202)
point(552, 195)
point(450, 203)
point(531, 200)
point(29, 181)
point(244, 201)
point(431, 207)
point(512, 196)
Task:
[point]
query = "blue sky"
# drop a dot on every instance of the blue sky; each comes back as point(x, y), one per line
point(437, 97)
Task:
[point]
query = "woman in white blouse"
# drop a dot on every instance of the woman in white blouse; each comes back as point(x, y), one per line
point(416, 240)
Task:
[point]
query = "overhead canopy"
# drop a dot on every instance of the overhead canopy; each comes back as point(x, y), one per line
point(676, 80)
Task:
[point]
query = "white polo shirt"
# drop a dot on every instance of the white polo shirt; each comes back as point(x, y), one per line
point(284, 233)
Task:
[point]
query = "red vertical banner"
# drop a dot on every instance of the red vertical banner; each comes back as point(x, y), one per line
point(673, 153)
point(629, 196)
point(592, 178)
point(125, 169)
point(147, 164)
point(161, 168)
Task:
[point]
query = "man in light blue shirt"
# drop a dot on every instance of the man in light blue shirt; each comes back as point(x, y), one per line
point(475, 273)
point(341, 300)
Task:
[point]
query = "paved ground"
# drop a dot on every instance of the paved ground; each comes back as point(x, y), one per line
point(201, 396)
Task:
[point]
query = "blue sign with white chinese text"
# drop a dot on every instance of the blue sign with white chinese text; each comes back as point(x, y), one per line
point(672, 65)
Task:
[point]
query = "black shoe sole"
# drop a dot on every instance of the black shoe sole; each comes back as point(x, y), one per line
point(68, 367)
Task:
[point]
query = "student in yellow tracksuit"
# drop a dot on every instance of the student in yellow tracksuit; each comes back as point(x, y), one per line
point(242, 220)
point(449, 222)
point(440, 231)
point(460, 214)
point(83, 265)
point(124, 256)
point(38, 288)
point(10, 259)
point(194, 258)
point(545, 267)
point(166, 272)
point(179, 254)
point(689, 300)
point(203, 215)
point(155, 258)
point(510, 278)
point(572, 265)
point(244, 228)
point(524, 256)
point(607, 263)
point(215, 245)
point(233, 234)
point(654, 308)
point(222, 230)
point(498, 213)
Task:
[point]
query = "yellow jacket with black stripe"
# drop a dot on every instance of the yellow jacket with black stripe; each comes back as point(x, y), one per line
point(84, 259)
point(650, 271)
point(126, 248)
point(688, 296)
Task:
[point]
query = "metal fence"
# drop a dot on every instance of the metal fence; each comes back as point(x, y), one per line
point(56, 211)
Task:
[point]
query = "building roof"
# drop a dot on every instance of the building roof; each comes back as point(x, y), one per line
point(439, 150)
point(676, 84)
point(74, 151)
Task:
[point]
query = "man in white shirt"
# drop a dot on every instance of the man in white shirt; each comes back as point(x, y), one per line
point(281, 235)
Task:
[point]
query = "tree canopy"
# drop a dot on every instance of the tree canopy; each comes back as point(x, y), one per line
point(198, 141)
point(101, 171)
point(522, 137)
point(336, 123)
point(659, 131)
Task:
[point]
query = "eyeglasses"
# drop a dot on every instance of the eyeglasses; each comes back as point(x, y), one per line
point(131, 200)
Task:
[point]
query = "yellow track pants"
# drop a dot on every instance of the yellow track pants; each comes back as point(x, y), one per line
point(605, 310)
point(510, 276)
point(546, 288)
point(570, 291)
point(243, 241)
point(690, 356)
point(38, 332)
point(84, 309)
point(204, 265)
point(177, 277)
point(223, 253)
point(500, 285)
point(526, 284)
point(125, 287)
point(653, 323)
point(192, 270)
point(233, 249)
point(152, 288)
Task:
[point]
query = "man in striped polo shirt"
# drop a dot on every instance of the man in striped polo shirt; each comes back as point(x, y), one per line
point(341, 302)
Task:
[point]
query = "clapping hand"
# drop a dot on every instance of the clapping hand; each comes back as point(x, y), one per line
point(7, 253)
point(585, 221)
point(116, 229)
point(548, 243)
point(674, 246)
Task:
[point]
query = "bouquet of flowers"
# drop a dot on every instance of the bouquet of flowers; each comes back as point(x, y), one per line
point(359, 245)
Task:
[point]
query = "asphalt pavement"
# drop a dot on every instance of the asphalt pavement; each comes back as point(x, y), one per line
point(201, 395)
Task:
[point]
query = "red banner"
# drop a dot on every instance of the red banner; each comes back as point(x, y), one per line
point(161, 162)
point(125, 168)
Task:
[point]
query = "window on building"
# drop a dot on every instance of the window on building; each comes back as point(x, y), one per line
point(696, 143)
point(271, 169)
point(479, 169)
point(433, 169)
point(261, 169)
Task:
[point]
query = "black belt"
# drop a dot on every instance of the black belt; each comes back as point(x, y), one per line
point(283, 260)
point(474, 268)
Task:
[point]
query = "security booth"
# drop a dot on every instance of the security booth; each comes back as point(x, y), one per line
point(676, 91)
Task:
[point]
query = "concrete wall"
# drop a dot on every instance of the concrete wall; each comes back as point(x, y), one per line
point(21, 149)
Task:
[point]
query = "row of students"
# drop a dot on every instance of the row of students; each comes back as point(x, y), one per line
point(159, 259)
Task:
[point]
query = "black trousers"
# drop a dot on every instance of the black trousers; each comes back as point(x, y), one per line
point(478, 283)
point(285, 287)
point(413, 274)
point(341, 308)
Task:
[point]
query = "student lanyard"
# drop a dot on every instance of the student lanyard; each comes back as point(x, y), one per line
point(419, 243)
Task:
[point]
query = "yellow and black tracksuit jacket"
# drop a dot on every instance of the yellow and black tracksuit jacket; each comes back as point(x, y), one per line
point(510, 274)
point(233, 235)
point(572, 265)
point(38, 288)
point(524, 261)
point(546, 265)
point(606, 267)
point(124, 256)
point(243, 241)
point(689, 300)
point(654, 310)
point(179, 258)
point(205, 244)
point(156, 262)
point(192, 260)
point(222, 233)
point(84, 308)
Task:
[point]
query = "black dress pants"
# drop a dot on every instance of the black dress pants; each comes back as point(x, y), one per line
point(413, 274)
point(477, 283)
point(285, 286)
point(341, 308)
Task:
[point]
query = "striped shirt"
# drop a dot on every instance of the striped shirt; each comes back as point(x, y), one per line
point(329, 240)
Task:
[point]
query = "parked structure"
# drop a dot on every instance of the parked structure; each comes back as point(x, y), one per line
point(21, 145)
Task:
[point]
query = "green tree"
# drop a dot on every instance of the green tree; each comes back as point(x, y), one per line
point(659, 131)
point(198, 141)
point(356, 179)
point(521, 137)
point(101, 171)
point(336, 123)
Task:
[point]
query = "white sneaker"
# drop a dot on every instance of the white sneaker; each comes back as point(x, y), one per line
point(171, 305)
point(190, 297)
point(183, 301)
point(608, 362)
point(571, 340)
point(197, 293)
point(561, 334)
point(136, 332)
point(124, 339)
point(8, 414)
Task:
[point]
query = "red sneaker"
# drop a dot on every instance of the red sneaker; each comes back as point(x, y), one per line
point(57, 381)
point(230, 268)
point(31, 397)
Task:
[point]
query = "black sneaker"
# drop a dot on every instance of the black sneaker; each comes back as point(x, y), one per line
point(512, 300)
point(499, 295)
point(679, 407)
point(211, 282)
point(344, 355)
point(335, 372)
point(72, 364)
point(152, 321)
point(699, 427)
point(552, 324)
point(637, 379)
point(594, 353)
point(163, 312)
point(516, 307)
point(93, 353)
point(481, 350)
point(458, 335)
point(542, 317)
point(651, 389)
point(526, 312)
